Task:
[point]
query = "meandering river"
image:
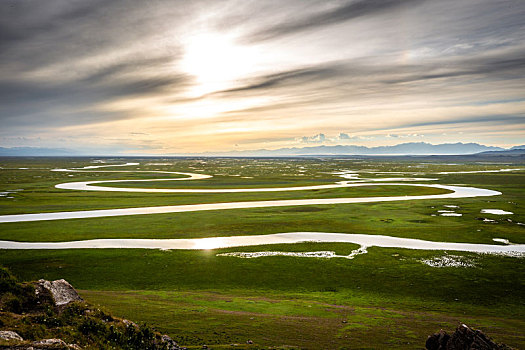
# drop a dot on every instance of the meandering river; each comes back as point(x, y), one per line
point(237, 241)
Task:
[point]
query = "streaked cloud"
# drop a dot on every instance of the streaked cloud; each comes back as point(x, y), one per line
point(183, 77)
point(336, 14)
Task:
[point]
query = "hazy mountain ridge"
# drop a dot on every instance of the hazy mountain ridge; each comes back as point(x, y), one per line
point(409, 148)
point(35, 151)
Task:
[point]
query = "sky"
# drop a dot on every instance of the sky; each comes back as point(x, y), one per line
point(184, 77)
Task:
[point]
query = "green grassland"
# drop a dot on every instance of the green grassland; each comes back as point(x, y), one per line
point(39, 194)
point(67, 200)
point(386, 298)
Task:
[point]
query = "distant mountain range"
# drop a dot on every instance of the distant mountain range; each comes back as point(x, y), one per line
point(410, 148)
point(35, 151)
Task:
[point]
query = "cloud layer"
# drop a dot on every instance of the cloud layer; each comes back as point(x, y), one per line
point(182, 77)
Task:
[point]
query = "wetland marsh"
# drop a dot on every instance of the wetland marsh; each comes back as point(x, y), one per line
point(357, 260)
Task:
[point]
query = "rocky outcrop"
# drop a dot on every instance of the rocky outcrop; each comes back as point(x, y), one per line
point(61, 291)
point(170, 343)
point(51, 315)
point(464, 338)
point(10, 335)
point(44, 344)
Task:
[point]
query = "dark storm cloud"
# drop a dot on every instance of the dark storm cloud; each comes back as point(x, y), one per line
point(346, 12)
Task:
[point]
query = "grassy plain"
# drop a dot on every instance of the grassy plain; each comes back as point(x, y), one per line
point(386, 298)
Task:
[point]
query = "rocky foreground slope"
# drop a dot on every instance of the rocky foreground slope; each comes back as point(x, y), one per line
point(51, 315)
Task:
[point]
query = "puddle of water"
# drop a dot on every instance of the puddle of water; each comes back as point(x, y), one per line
point(501, 240)
point(496, 212)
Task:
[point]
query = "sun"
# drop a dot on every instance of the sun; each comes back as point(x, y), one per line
point(216, 61)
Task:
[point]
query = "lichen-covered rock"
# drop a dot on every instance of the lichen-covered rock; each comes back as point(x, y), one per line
point(170, 343)
point(10, 335)
point(62, 292)
point(130, 323)
point(464, 338)
point(53, 341)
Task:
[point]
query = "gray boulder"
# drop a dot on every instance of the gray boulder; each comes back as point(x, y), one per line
point(10, 335)
point(170, 343)
point(55, 342)
point(464, 338)
point(61, 291)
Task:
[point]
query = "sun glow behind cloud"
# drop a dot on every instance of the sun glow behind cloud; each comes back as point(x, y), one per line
point(208, 108)
point(216, 61)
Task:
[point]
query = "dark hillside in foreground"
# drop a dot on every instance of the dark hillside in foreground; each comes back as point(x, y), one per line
point(51, 315)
